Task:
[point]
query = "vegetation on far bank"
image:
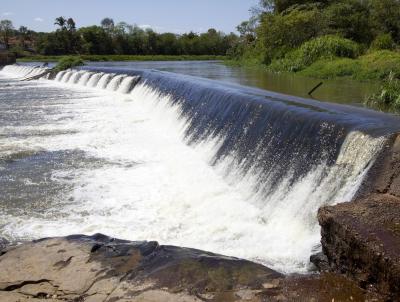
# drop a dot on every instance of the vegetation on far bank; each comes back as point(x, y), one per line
point(109, 38)
point(115, 58)
point(326, 39)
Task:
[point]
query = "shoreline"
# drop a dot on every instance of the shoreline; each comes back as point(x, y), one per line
point(122, 58)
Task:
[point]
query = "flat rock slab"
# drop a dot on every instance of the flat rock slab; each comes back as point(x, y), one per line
point(362, 239)
point(100, 268)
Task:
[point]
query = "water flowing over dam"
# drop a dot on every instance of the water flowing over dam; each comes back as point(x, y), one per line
point(144, 154)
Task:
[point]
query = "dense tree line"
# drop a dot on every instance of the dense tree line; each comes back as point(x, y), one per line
point(279, 26)
point(121, 38)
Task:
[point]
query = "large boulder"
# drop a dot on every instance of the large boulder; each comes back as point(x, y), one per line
point(362, 240)
point(100, 268)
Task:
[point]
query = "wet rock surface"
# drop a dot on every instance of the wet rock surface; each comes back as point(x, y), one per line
point(362, 240)
point(384, 176)
point(3, 244)
point(100, 268)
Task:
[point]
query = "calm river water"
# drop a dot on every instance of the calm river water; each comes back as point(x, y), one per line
point(343, 91)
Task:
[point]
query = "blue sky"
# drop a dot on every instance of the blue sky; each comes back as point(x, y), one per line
point(162, 15)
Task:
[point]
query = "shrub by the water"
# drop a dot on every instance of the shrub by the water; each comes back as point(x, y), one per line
point(326, 47)
point(383, 41)
point(68, 62)
point(376, 65)
point(388, 98)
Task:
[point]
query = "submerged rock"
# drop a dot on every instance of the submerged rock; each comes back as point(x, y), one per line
point(100, 268)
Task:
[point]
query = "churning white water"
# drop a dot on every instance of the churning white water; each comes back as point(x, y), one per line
point(150, 185)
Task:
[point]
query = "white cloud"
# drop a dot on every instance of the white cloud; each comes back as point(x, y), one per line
point(38, 19)
point(144, 26)
point(8, 14)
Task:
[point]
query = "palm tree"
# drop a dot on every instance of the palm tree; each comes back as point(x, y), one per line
point(61, 21)
point(71, 24)
point(23, 34)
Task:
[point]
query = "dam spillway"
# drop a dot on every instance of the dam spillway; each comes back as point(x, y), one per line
point(143, 154)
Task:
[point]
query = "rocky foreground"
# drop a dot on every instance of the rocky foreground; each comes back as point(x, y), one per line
point(100, 268)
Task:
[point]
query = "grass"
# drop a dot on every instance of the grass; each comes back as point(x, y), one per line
point(105, 58)
point(377, 65)
point(388, 99)
point(68, 62)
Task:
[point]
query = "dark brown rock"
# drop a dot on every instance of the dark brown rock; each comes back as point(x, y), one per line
point(362, 239)
point(321, 261)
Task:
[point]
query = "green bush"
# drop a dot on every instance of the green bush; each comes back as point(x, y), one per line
point(329, 69)
point(383, 41)
point(325, 47)
point(389, 96)
point(281, 33)
point(68, 62)
point(328, 47)
point(379, 65)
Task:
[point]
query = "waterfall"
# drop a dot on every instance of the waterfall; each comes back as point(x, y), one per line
point(94, 79)
point(76, 77)
point(127, 84)
point(115, 82)
point(84, 78)
point(104, 81)
point(284, 156)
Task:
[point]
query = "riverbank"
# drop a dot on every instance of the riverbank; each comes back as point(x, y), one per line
point(374, 66)
point(381, 67)
point(111, 58)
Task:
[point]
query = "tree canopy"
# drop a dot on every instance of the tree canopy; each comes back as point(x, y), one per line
point(279, 26)
point(121, 38)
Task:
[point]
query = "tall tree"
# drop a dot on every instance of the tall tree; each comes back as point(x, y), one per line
point(61, 22)
point(23, 35)
point(71, 26)
point(6, 30)
point(107, 24)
